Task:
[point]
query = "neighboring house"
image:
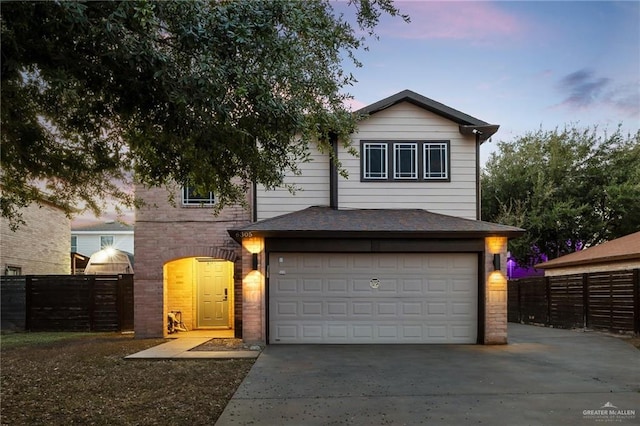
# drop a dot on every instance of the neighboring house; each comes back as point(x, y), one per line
point(616, 255)
point(90, 239)
point(40, 245)
point(393, 254)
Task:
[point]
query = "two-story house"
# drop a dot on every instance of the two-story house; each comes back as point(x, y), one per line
point(89, 239)
point(394, 253)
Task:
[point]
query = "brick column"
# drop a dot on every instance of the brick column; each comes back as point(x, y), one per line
point(253, 292)
point(495, 297)
point(148, 301)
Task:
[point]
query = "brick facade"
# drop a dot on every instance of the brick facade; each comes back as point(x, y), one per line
point(40, 246)
point(166, 232)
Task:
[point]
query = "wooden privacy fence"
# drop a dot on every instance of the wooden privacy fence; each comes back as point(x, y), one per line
point(599, 301)
point(68, 303)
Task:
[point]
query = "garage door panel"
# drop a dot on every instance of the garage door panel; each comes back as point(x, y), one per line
point(348, 332)
point(311, 309)
point(311, 286)
point(433, 300)
point(337, 286)
point(412, 286)
point(437, 286)
point(287, 286)
point(462, 309)
point(361, 286)
point(337, 308)
point(387, 309)
point(361, 308)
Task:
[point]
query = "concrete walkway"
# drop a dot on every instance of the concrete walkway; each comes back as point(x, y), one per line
point(543, 377)
point(180, 348)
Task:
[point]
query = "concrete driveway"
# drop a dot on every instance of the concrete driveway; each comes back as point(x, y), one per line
point(543, 377)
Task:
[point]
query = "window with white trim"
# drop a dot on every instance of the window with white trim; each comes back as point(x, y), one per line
point(106, 241)
point(408, 161)
point(74, 243)
point(375, 160)
point(435, 161)
point(405, 160)
point(12, 270)
point(190, 197)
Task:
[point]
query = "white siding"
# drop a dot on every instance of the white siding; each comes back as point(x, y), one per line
point(406, 121)
point(89, 242)
point(312, 189)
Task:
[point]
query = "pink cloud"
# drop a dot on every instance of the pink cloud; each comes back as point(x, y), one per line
point(453, 20)
point(354, 104)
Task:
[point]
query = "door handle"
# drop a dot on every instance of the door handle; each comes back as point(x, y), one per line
point(225, 295)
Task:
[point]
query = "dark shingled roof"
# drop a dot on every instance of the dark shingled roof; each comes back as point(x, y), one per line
point(105, 227)
point(320, 221)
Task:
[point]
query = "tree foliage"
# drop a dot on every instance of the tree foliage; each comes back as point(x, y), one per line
point(206, 92)
point(568, 188)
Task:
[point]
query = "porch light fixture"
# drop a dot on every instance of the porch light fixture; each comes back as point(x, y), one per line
point(254, 262)
point(496, 262)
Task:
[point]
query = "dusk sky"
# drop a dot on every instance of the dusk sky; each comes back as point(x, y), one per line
point(521, 64)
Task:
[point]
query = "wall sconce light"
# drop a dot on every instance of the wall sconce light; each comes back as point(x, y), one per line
point(496, 262)
point(254, 261)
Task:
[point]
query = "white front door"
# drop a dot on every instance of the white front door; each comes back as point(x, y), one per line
point(373, 298)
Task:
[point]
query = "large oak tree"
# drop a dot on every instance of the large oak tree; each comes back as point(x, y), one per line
point(205, 92)
point(569, 188)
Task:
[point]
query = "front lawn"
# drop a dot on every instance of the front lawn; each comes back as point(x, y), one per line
point(67, 378)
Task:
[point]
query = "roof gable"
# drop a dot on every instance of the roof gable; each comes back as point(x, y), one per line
point(468, 125)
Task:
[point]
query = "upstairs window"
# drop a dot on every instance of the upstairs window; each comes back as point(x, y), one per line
point(375, 160)
point(405, 160)
point(192, 198)
point(436, 161)
point(106, 241)
point(418, 161)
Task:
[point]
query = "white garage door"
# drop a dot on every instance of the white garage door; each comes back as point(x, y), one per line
point(373, 298)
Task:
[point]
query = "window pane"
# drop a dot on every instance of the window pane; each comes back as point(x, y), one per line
point(74, 243)
point(375, 161)
point(13, 270)
point(405, 161)
point(191, 197)
point(106, 241)
point(435, 161)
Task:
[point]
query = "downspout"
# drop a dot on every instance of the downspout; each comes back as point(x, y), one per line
point(478, 194)
point(333, 172)
point(254, 201)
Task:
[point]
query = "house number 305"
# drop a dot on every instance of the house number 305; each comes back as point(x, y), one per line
point(374, 283)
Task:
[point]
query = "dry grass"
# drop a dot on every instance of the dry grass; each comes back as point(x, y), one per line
point(635, 341)
point(63, 379)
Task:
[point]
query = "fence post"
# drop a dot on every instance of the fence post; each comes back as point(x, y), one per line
point(92, 301)
point(585, 299)
point(119, 302)
point(28, 290)
point(547, 286)
point(519, 301)
point(636, 301)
